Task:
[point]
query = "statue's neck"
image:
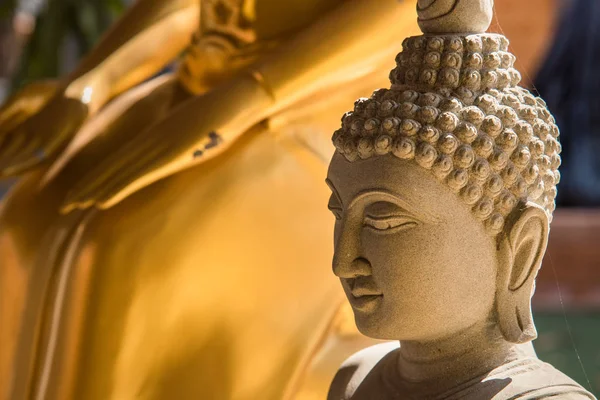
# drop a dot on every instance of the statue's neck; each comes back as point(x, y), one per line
point(433, 367)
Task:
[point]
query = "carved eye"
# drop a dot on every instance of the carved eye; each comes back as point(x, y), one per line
point(389, 224)
point(335, 207)
point(337, 212)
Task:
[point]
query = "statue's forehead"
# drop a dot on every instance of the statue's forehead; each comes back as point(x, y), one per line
point(385, 170)
point(412, 183)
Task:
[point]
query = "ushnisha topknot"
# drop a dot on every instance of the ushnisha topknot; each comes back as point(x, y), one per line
point(455, 109)
point(454, 16)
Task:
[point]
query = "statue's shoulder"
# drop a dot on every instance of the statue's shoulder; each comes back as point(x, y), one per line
point(355, 369)
point(563, 393)
point(527, 379)
point(524, 379)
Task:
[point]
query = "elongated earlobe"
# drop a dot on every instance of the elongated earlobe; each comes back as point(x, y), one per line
point(520, 255)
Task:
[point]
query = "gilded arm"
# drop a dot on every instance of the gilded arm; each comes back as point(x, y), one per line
point(150, 35)
point(34, 126)
point(348, 43)
point(344, 45)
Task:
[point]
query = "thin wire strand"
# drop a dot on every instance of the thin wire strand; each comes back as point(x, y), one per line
point(527, 76)
point(562, 304)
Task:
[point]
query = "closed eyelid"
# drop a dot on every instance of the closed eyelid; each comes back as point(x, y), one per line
point(335, 207)
point(390, 224)
point(385, 209)
point(334, 203)
point(383, 196)
point(335, 196)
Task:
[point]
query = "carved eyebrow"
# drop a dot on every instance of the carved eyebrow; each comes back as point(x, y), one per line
point(334, 190)
point(385, 195)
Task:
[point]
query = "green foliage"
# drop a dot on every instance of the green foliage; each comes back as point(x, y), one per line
point(77, 24)
point(570, 343)
point(6, 7)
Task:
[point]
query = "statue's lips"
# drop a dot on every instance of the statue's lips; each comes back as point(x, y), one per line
point(363, 286)
point(362, 291)
point(365, 303)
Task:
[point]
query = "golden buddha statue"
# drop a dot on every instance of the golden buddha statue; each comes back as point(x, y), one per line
point(443, 191)
point(167, 240)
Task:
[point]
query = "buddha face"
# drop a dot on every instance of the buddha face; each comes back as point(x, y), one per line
point(413, 261)
point(246, 21)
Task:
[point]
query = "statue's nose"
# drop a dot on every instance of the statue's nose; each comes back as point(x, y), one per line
point(348, 260)
point(353, 269)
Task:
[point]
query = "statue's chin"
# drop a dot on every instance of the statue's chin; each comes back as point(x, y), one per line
point(369, 329)
point(377, 326)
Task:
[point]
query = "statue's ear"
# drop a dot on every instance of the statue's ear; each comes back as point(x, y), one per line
point(521, 250)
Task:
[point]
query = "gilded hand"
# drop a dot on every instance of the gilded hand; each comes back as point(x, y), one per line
point(35, 126)
point(197, 130)
point(24, 103)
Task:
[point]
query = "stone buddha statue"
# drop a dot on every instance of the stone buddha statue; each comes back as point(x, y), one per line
point(166, 240)
point(443, 190)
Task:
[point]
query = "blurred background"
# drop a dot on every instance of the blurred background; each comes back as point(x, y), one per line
point(42, 39)
point(557, 44)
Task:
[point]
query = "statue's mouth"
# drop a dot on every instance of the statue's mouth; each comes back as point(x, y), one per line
point(365, 303)
point(364, 293)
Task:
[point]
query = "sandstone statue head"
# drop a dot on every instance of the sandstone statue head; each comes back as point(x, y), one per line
point(443, 188)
